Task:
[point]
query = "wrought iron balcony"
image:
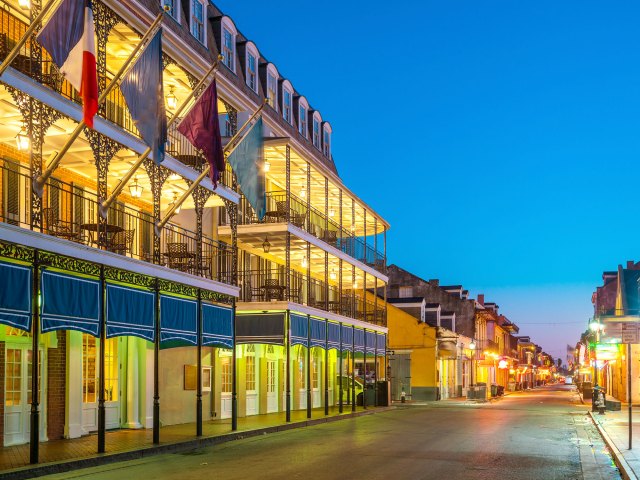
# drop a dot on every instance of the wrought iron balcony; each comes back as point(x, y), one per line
point(269, 284)
point(316, 223)
point(71, 212)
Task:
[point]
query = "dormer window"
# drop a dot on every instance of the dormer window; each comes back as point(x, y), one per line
point(286, 105)
point(252, 67)
point(170, 7)
point(272, 86)
point(316, 133)
point(197, 19)
point(326, 141)
point(302, 121)
point(228, 43)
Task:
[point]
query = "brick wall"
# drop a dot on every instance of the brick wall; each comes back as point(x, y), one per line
point(56, 386)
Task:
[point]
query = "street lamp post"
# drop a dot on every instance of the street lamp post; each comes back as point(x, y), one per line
point(472, 347)
point(596, 327)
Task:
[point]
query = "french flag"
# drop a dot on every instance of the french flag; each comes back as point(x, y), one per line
point(69, 37)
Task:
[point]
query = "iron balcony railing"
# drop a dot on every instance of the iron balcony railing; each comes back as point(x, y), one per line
point(314, 222)
point(71, 212)
point(270, 284)
point(114, 110)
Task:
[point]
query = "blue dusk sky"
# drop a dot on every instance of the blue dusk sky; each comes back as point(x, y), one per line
point(498, 138)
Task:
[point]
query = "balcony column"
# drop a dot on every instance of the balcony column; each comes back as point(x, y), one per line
point(157, 176)
point(326, 254)
point(232, 212)
point(365, 236)
point(309, 360)
point(385, 269)
point(288, 185)
point(200, 196)
point(353, 369)
point(364, 372)
point(353, 293)
point(340, 369)
point(326, 367)
point(309, 198)
point(364, 296)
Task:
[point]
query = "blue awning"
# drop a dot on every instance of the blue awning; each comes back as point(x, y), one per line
point(382, 343)
point(178, 319)
point(370, 341)
point(130, 311)
point(15, 295)
point(217, 326)
point(260, 328)
point(299, 329)
point(358, 340)
point(318, 332)
point(70, 303)
point(347, 337)
point(334, 335)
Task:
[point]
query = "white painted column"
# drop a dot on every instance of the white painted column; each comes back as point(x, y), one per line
point(73, 404)
point(148, 386)
point(132, 371)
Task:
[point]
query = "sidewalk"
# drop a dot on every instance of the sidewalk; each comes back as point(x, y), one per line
point(614, 428)
point(59, 456)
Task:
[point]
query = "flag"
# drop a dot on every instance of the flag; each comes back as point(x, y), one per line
point(202, 128)
point(246, 160)
point(142, 89)
point(69, 37)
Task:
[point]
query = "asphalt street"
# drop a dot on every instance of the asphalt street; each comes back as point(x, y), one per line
point(538, 435)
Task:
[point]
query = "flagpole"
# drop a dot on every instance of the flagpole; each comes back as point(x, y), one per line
point(39, 181)
point(104, 206)
point(14, 53)
point(229, 147)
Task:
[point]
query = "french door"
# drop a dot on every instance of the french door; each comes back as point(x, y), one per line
point(272, 384)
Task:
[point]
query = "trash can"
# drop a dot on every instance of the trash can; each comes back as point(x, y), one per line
point(383, 394)
point(370, 394)
point(500, 390)
point(494, 390)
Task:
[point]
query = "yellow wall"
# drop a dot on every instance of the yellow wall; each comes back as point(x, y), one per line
point(407, 333)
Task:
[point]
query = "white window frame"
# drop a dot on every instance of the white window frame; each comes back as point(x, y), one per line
point(227, 25)
point(326, 131)
point(202, 40)
point(174, 11)
point(303, 121)
point(287, 88)
point(272, 72)
point(252, 51)
point(317, 141)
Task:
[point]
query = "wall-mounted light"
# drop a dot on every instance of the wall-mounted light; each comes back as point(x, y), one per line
point(303, 193)
point(135, 189)
point(266, 246)
point(24, 4)
point(172, 101)
point(23, 141)
point(174, 202)
point(267, 166)
point(333, 274)
point(305, 263)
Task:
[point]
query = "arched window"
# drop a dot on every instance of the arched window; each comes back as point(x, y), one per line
point(252, 66)
point(197, 23)
point(287, 102)
point(228, 43)
point(272, 85)
point(303, 112)
point(326, 139)
point(317, 121)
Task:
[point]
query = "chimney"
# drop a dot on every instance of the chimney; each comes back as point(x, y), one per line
point(481, 298)
point(630, 264)
point(435, 282)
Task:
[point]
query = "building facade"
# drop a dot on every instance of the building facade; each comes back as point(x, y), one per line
point(220, 314)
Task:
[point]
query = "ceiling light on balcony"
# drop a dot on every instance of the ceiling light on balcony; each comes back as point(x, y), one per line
point(355, 284)
point(353, 227)
point(332, 212)
point(23, 142)
point(303, 193)
point(172, 101)
point(174, 176)
point(305, 262)
point(24, 4)
point(174, 202)
point(266, 246)
point(135, 189)
point(333, 275)
point(267, 166)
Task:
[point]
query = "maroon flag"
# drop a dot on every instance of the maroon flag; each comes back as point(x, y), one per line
point(202, 128)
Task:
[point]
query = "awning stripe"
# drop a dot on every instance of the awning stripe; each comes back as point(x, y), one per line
point(15, 295)
point(358, 340)
point(178, 319)
point(334, 336)
point(130, 311)
point(347, 337)
point(371, 341)
point(70, 303)
point(318, 332)
point(217, 326)
point(382, 343)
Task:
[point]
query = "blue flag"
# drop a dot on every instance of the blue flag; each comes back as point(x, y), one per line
point(142, 89)
point(246, 160)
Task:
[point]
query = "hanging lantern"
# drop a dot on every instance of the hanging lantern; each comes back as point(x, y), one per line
point(332, 212)
point(23, 142)
point(303, 193)
point(135, 189)
point(172, 101)
point(305, 263)
point(266, 246)
point(24, 4)
point(267, 166)
point(174, 202)
point(333, 274)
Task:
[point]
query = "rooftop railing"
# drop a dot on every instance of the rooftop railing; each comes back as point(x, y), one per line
point(70, 212)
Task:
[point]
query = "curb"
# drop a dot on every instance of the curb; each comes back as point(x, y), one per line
point(108, 458)
point(625, 469)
